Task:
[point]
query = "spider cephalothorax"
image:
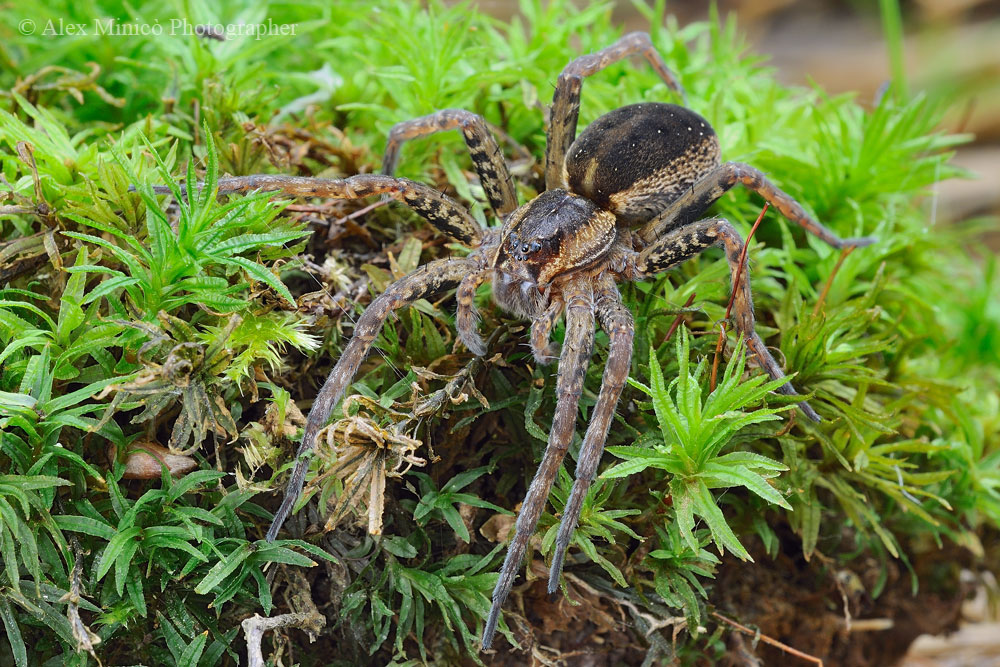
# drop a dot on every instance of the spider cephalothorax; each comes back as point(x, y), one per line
point(622, 202)
point(554, 235)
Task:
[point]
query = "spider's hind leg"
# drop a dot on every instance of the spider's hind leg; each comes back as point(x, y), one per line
point(566, 100)
point(478, 134)
point(681, 245)
point(710, 187)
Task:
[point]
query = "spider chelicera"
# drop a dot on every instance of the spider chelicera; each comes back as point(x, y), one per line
point(622, 203)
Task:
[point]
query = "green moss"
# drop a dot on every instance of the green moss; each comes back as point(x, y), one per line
point(125, 315)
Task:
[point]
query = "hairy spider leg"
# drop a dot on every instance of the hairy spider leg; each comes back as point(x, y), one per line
point(466, 315)
point(542, 347)
point(444, 213)
point(430, 279)
point(617, 321)
point(710, 187)
point(566, 100)
point(486, 156)
point(681, 245)
point(573, 363)
point(441, 211)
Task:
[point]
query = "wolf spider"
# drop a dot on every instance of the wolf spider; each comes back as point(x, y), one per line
point(622, 203)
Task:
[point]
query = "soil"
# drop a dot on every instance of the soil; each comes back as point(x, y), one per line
point(820, 611)
point(823, 611)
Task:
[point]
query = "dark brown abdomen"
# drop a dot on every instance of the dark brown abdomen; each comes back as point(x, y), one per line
point(637, 159)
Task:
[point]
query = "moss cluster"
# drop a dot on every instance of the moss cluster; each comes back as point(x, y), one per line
point(203, 326)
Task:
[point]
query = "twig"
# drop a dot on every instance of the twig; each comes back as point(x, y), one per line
point(970, 106)
point(732, 296)
point(743, 652)
point(26, 152)
point(14, 209)
point(85, 639)
point(680, 317)
point(453, 389)
point(787, 428)
point(653, 623)
point(829, 281)
point(255, 627)
point(871, 625)
point(767, 640)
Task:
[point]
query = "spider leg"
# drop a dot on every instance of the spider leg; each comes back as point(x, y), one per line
point(617, 321)
point(447, 215)
point(430, 279)
point(466, 316)
point(681, 245)
point(566, 100)
point(572, 370)
point(542, 348)
point(686, 208)
point(486, 155)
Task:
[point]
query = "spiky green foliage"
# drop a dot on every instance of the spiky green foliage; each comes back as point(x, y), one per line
point(126, 316)
point(694, 432)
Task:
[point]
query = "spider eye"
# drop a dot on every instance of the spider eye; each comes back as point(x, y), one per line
point(536, 246)
point(524, 247)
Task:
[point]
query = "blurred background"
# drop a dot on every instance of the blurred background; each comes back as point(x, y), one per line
point(951, 49)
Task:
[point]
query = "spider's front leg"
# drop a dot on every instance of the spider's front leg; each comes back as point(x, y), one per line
point(466, 315)
point(573, 361)
point(447, 215)
point(426, 281)
point(710, 187)
point(566, 100)
point(617, 321)
point(681, 245)
point(542, 347)
point(486, 156)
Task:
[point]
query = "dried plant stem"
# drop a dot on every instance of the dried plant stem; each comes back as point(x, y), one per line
point(680, 318)
point(86, 640)
point(767, 640)
point(829, 281)
point(255, 627)
point(732, 295)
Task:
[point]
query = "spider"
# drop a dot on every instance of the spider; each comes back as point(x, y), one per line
point(622, 203)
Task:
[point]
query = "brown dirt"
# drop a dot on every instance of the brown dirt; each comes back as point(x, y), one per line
point(802, 604)
point(796, 602)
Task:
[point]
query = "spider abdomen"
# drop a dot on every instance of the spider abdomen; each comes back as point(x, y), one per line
point(637, 159)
